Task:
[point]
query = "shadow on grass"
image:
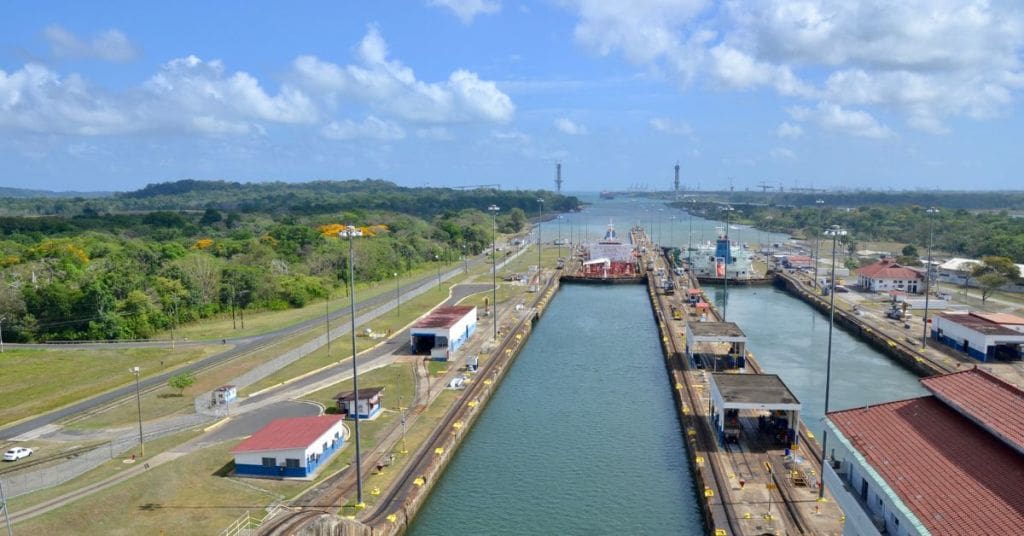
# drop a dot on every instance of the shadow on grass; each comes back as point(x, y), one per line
point(226, 469)
point(170, 395)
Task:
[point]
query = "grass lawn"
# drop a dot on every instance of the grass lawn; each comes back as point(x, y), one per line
point(180, 497)
point(257, 322)
point(36, 381)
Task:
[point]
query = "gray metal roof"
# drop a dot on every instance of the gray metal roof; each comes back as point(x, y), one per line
point(753, 389)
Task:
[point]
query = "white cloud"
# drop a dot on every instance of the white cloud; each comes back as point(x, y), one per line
point(924, 60)
point(390, 87)
point(186, 95)
point(435, 133)
point(789, 130)
point(781, 153)
point(834, 117)
point(670, 126)
point(370, 128)
point(467, 10)
point(110, 45)
point(567, 126)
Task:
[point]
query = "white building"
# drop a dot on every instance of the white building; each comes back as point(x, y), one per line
point(957, 271)
point(983, 336)
point(292, 448)
point(949, 463)
point(368, 402)
point(443, 331)
point(886, 275)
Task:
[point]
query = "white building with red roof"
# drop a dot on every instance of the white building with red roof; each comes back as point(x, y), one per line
point(443, 331)
point(948, 463)
point(290, 448)
point(886, 275)
point(981, 335)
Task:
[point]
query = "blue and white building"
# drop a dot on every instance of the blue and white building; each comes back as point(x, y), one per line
point(290, 448)
point(368, 403)
point(443, 331)
point(981, 335)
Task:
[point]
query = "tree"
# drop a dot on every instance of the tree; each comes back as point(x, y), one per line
point(993, 273)
point(182, 381)
point(910, 251)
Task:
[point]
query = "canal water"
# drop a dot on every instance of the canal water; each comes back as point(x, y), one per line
point(789, 338)
point(582, 436)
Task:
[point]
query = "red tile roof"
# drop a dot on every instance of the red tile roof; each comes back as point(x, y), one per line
point(985, 399)
point(888, 269)
point(293, 433)
point(954, 476)
point(444, 317)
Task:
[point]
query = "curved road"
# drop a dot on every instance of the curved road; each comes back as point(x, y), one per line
point(242, 345)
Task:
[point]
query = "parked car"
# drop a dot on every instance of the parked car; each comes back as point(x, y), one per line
point(17, 453)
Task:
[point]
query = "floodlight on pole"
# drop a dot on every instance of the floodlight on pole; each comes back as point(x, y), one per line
point(493, 209)
point(819, 203)
point(138, 401)
point(835, 232)
point(928, 273)
point(540, 219)
point(350, 233)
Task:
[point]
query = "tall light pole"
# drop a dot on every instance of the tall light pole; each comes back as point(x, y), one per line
point(438, 261)
point(493, 209)
point(350, 233)
point(689, 238)
point(398, 296)
point(2, 318)
point(327, 320)
point(928, 273)
point(138, 402)
point(819, 203)
point(540, 219)
point(559, 241)
point(835, 232)
point(728, 257)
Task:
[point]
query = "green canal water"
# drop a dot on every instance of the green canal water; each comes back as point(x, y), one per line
point(789, 338)
point(581, 437)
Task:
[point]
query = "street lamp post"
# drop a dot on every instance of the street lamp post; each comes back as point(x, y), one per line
point(928, 273)
point(327, 320)
point(689, 239)
point(438, 261)
point(559, 241)
point(2, 318)
point(819, 203)
point(138, 402)
point(540, 219)
point(493, 209)
point(398, 296)
point(350, 233)
point(835, 232)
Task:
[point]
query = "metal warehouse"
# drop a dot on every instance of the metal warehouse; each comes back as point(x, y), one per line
point(443, 331)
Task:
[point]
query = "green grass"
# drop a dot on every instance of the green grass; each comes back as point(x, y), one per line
point(36, 381)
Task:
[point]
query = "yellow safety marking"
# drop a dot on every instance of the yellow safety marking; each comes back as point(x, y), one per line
point(769, 517)
point(439, 450)
point(842, 518)
point(823, 499)
point(747, 515)
point(474, 403)
point(360, 506)
point(732, 475)
point(419, 481)
point(770, 485)
point(457, 425)
point(488, 382)
point(700, 460)
point(721, 532)
point(350, 517)
point(691, 432)
point(810, 435)
point(392, 518)
point(375, 491)
point(708, 492)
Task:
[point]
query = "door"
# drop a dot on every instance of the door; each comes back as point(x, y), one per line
point(864, 490)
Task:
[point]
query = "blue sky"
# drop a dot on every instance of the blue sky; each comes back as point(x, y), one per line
point(921, 95)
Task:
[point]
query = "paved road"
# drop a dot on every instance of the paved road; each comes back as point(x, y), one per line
point(242, 345)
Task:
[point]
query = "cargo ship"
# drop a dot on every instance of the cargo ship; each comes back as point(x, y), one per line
point(608, 260)
point(715, 262)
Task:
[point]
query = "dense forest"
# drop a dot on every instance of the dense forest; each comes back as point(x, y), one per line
point(128, 265)
point(954, 230)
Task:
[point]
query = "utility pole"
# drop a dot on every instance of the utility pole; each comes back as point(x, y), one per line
point(540, 219)
point(493, 209)
point(2, 318)
point(928, 274)
point(138, 402)
point(818, 202)
point(350, 233)
point(327, 320)
point(835, 232)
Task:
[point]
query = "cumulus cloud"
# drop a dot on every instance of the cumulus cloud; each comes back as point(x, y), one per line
point(467, 10)
point(372, 128)
point(670, 126)
point(567, 126)
point(789, 130)
point(836, 118)
point(390, 87)
point(781, 153)
point(110, 45)
point(926, 61)
point(186, 94)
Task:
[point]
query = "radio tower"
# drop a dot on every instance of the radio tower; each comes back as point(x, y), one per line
point(558, 176)
point(677, 178)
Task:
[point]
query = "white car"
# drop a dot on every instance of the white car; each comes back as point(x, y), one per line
point(17, 453)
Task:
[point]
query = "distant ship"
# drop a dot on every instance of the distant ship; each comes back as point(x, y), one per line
point(708, 262)
point(607, 195)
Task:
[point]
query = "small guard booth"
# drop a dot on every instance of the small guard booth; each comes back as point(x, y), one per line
point(290, 448)
point(442, 331)
point(763, 399)
point(367, 403)
point(723, 342)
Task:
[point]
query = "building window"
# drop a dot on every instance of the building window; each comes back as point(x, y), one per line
point(269, 462)
point(291, 463)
